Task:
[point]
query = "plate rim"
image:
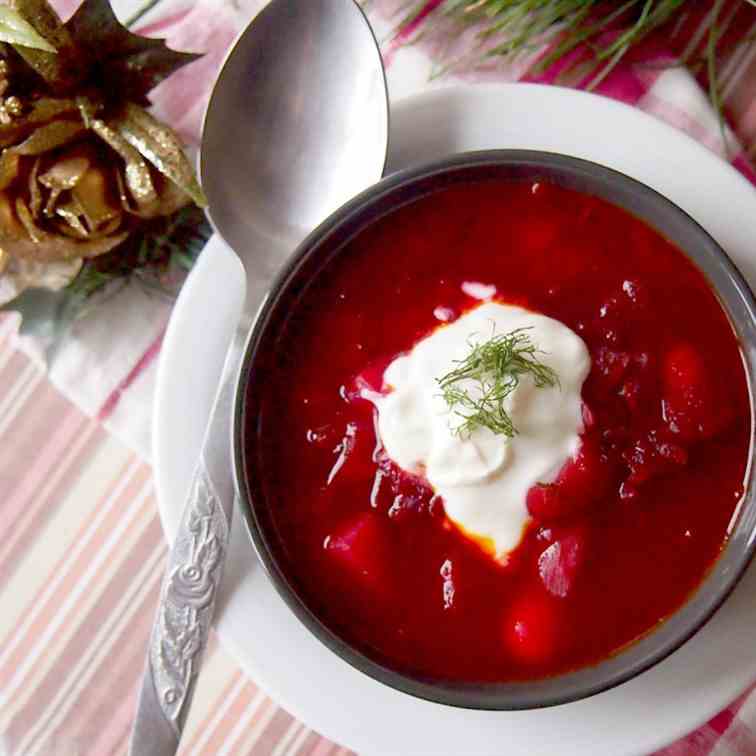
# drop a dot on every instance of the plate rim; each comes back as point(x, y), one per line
point(426, 99)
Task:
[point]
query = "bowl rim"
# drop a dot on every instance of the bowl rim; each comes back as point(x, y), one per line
point(488, 696)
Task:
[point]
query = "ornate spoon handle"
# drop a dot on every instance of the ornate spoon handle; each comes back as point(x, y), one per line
point(190, 585)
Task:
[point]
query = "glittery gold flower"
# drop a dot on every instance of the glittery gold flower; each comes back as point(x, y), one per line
point(83, 165)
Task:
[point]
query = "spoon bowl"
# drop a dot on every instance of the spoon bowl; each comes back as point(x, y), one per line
point(297, 124)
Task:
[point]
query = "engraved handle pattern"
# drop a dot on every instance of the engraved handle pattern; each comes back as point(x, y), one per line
point(192, 579)
point(187, 599)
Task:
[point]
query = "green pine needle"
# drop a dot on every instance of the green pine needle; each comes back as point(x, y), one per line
point(526, 26)
point(151, 258)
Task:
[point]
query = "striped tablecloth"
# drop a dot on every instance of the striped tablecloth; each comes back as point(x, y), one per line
point(81, 559)
point(82, 551)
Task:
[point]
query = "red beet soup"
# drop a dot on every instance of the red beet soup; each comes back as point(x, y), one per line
point(614, 544)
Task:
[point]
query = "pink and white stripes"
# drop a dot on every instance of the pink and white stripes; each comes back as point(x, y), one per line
point(81, 561)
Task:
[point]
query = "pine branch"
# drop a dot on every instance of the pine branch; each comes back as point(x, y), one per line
point(606, 30)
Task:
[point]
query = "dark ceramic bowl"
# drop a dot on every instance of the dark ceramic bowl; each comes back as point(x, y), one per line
point(329, 239)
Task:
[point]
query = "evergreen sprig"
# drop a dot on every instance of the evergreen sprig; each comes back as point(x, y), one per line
point(557, 27)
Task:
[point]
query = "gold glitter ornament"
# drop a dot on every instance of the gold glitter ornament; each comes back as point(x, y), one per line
point(83, 166)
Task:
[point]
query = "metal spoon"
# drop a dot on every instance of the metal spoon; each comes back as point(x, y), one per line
point(297, 124)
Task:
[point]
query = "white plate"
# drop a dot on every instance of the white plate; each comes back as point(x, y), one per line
point(275, 649)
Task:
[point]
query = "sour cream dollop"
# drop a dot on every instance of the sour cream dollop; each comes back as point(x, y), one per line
point(484, 478)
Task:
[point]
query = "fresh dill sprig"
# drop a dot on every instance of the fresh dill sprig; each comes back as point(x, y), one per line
point(477, 389)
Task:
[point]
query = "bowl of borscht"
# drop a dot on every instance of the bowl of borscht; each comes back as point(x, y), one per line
point(493, 430)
